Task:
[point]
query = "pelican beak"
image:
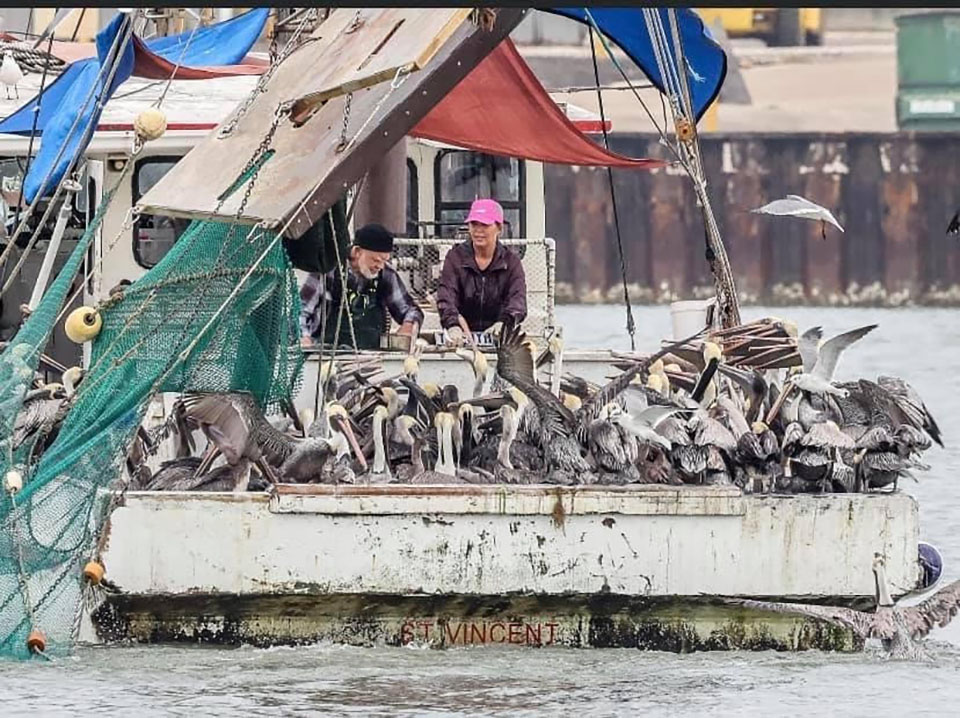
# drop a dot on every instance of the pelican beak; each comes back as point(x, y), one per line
point(343, 425)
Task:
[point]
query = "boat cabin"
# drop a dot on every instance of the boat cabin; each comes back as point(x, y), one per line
point(441, 182)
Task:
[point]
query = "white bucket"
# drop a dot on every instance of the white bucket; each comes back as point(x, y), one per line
point(689, 316)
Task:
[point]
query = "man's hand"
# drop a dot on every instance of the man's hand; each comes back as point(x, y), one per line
point(454, 337)
point(306, 342)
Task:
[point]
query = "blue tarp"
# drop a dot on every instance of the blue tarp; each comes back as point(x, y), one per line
point(225, 43)
point(625, 26)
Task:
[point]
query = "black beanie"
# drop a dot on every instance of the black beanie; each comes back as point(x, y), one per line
point(374, 237)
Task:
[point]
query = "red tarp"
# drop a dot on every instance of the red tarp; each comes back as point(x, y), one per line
point(152, 66)
point(502, 109)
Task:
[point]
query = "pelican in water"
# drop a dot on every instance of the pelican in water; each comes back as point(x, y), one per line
point(899, 629)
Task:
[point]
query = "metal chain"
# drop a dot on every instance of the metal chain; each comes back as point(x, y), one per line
point(342, 144)
point(231, 124)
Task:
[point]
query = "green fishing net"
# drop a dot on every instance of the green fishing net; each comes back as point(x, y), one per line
point(190, 324)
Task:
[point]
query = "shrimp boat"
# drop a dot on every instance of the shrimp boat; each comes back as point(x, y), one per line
point(525, 565)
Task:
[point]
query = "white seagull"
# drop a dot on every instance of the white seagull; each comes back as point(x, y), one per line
point(796, 206)
point(10, 74)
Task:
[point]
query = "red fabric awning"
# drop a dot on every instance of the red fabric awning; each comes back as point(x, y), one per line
point(501, 108)
point(152, 66)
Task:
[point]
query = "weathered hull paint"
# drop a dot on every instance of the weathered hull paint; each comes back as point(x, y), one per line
point(681, 625)
point(513, 565)
point(893, 193)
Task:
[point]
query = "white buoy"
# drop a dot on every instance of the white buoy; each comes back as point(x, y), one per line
point(10, 74)
point(13, 481)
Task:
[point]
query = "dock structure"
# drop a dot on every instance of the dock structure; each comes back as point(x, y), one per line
point(642, 567)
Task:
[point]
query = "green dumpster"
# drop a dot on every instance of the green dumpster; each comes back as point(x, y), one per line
point(928, 71)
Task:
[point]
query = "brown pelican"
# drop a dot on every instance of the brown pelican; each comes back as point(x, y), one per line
point(444, 423)
point(326, 443)
point(912, 410)
point(181, 475)
point(759, 453)
point(553, 353)
point(879, 461)
point(563, 434)
point(817, 461)
point(719, 446)
point(898, 628)
point(380, 467)
point(705, 390)
point(236, 426)
point(411, 363)
point(45, 408)
point(478, 363)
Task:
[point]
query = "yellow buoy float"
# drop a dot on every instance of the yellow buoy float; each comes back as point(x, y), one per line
point(83, 324)
point(150, 124)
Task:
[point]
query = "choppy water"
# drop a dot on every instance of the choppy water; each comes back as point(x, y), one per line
point(918, 344)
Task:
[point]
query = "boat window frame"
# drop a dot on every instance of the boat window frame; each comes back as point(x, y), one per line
point(136, 195)
point(92, 206)
point(413, 199)
point(439, 205)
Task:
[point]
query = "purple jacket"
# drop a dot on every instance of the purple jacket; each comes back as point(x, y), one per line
point(483, 298)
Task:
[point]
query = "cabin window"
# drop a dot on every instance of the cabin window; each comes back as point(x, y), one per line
point(462, 176)
point(153, 235)
point(413, 199)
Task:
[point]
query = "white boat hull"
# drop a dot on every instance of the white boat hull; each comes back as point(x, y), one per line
point(527, 565)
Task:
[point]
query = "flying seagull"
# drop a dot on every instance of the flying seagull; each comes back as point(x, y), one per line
point(796, 206)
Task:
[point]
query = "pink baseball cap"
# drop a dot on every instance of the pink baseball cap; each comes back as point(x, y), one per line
point(485, 211)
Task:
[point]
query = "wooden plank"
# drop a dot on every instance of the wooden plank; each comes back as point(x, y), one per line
point(397, 46)
point(307, 173)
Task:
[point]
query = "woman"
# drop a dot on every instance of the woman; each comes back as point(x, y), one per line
point(482, 281)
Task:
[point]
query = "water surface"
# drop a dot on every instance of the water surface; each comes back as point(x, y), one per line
point(920, 345)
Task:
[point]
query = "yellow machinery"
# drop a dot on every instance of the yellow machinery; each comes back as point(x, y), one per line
point(781, 26)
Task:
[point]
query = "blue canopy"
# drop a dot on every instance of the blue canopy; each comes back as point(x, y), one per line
point(225, 43)
point(625, 26)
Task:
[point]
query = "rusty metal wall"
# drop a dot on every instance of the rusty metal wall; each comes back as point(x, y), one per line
point(893, 193)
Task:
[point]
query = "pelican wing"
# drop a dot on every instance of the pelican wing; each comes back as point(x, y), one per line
point(591, 408)
point(827, 435)
point(830, 351)
point(860, 623)
point(737, 422)
point(909, 402)
point(515, 364)
point(425, 402)
point(222, 413)
point(938, 610)
point(711, 432)
point(809, 347)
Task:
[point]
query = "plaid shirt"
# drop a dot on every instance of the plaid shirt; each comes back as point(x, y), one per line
point(391, 294)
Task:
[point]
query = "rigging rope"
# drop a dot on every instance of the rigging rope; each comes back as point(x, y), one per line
point(114, 54)
point(33, 132)
point(631, 325)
